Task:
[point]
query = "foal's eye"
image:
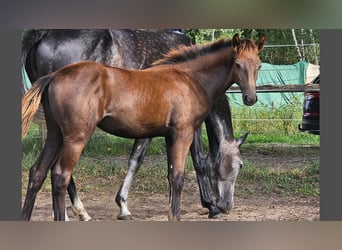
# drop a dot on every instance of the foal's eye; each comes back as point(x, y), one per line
point(238, 65)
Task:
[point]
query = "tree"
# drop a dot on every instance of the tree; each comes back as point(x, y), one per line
point(287, 46)
point(283, 46)
point(200, 36)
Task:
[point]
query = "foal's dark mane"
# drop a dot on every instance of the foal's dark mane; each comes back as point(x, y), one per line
point(186, 53)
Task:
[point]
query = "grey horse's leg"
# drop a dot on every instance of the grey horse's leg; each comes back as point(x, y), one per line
point(77, 205)
point(199, 161)
point(135, 160)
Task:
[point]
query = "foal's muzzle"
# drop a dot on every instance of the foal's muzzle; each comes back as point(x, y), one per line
point(250, 100)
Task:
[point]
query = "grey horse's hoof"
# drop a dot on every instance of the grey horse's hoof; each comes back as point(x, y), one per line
point(215, 216)
point(81, 213)
point(86, 217)
point(124, 217)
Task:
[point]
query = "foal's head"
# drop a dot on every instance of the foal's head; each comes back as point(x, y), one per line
point(246, 66)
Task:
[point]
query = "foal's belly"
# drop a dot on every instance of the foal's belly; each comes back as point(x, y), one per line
point(134, 130)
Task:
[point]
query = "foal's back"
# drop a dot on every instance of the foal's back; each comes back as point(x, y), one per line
point(128, 103)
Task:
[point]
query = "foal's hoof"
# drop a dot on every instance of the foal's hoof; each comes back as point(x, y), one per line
point(124, 217)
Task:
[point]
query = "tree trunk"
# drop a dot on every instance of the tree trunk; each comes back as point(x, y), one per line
point(296, 44)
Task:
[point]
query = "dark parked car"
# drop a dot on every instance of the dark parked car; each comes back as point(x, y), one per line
point(310, 119)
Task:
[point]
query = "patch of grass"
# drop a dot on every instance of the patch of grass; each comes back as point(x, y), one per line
point(30, 152)
point(297, 138)
point(272, 124)
point(151, 177)
point(288, 149)
point(102, 143)
point(296, 181)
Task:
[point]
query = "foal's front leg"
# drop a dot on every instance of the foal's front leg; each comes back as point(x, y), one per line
point(177, 147)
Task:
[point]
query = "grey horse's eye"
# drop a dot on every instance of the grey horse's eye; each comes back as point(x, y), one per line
point(241, 165)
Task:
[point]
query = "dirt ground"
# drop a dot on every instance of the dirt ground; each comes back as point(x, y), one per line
point(154, 207)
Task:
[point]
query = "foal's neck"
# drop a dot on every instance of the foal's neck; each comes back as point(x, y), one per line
point(213, 73)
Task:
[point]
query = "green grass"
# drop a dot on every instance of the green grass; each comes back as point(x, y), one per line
point(254, 178)
point(268, 120)
point(102, 144)
point(296, 181)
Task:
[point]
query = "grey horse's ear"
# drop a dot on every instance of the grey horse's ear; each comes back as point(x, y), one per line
point(242, 139)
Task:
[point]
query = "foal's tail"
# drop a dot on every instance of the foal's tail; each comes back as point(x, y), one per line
point(30, 102)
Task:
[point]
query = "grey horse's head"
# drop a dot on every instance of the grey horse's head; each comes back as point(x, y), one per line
point(223, 174)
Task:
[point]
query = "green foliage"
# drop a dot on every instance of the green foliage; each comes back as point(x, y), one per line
point(278, 53)
point(279, 46)
point(200, 36)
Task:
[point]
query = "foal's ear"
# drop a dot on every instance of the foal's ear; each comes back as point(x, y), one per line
point(260, 42)
point(236, 40)
point(242, 139)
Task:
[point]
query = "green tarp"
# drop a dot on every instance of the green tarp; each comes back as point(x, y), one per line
point(26, 83)
point(270, 74)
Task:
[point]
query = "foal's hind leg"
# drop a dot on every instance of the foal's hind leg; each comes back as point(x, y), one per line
point(135, 160)
point(38, 173)
point(61, 174)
